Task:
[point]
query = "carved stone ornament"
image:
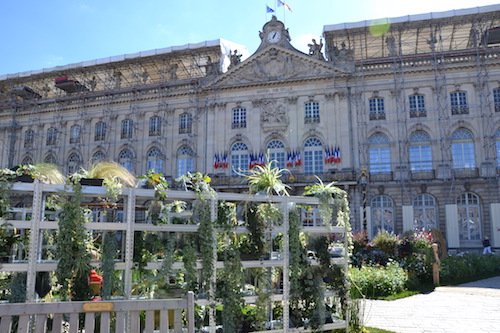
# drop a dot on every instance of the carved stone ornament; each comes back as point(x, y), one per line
point(276, 64)
point(273, 116)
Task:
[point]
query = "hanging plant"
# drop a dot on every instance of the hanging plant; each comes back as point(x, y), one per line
point(72, 243)
point(108, 263)
point(200, 184)
point(190, 272)
point(229, 290)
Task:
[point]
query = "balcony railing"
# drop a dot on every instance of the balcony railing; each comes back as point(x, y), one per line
point(459, 109)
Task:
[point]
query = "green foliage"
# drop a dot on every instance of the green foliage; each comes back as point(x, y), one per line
point(190, 271)
point(72, 242)
point(256, 227)
point(470, 267)
point(158, 182)
point(108, 263)
point(198, 183)
point(206, 237)
point(230, 290)
point(267, 178)
point(377, 281)
point(387, 242)
point(18, 288)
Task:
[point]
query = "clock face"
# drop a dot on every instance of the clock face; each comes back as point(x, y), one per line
point(273, 36)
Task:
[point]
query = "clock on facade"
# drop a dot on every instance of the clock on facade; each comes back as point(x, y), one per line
point(273, 36)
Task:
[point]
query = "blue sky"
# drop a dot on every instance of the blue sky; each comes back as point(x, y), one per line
point(38, 34)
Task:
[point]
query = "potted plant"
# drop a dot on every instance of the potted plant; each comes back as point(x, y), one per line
point(110, 174)
point(47, 173)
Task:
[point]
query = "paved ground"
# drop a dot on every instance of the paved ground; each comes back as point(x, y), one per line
point(468, 308)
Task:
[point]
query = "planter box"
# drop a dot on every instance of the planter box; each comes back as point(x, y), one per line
point(91, 181)
point(25, 179)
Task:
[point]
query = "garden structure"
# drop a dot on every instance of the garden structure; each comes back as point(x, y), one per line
point(254, 262)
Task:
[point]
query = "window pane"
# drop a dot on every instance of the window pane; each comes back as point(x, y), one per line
point(469, 217)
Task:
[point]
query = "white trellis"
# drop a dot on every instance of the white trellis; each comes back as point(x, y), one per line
point(132, 200)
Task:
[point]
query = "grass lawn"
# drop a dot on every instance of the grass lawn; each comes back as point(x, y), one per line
point(376, 330)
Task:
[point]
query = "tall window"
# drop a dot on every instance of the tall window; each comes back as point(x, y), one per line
point(185, 160)
point(74, 163)
point(29, 138)
point(74, 134)
point(469, 216)
point(417, 106)
point(311, 112)
point(497, 135)
point(424, 212)
point(27, 160)
point(98, 156)
point(277, 154)
point(127, 129)
point(126, 159)
point(420, 151)
point(496, 99)
point(50, 158)
point(458, 102)
point(239, 118)
point(379, 153)
point(239, 158)
point(51, 136)
point(100, 131)
point(382, 217)
point(154, 160)
point(155, 126)
point(462, 149)
point(185, 123)
point(376, 108)
point(313, 156)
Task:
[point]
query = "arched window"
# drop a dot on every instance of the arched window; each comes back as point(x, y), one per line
point(29, 138)
point(98, 157)
point(74, 134)
point(239, 158)
point(379, 153)
point(127, 129)
point(313, 156)
point(51, 136)
point(420, 152)
point(497, 135)
point(126, 159)
point(154, 160)
point(276, 153)
point(382, 217)
point(100, 131)
point(185, 160)
point(50, 158)
point(469, 216)
point(462, 149)
point(424, 212)
point(74, 163)
point(155, 126)
point(27, 160)
point(185, 123)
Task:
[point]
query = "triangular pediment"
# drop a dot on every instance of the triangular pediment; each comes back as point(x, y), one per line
point(276, 64)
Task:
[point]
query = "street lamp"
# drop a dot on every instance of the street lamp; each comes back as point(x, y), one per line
point(363, 181)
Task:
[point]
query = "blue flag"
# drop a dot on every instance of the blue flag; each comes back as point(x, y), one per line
point(269, 9)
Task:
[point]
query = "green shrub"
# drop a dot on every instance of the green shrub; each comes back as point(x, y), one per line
point(470, 267)
point(387, 242)
point(377, 281)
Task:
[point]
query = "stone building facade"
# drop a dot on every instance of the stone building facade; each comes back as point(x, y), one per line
point(403, 114)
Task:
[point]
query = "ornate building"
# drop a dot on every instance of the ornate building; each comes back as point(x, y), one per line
point(404, 115)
